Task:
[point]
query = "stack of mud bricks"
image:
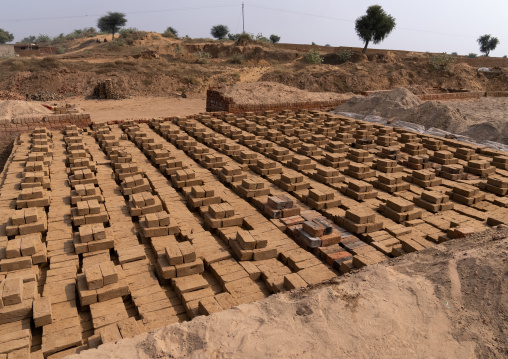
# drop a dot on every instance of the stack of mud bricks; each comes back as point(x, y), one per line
point(424, 178)
point(391, 182)
point(246, 157)
point(231, 149)
point(249, 246)
point(144, 203)
point(171, 166)
point(500, 161)
point(265, 167)
point(280, 207)
point(291, 142)
point(321, 199)
point(444, 158)
point(36, 172)
point(33, 197)
point(232, 173)
point(100, 282)
point(178, 260)
point(25, 248)
point(345, 135)
point(248, 139)
point(310, 150)
point(386, 137)
point(316, 232)
point(93, 237)
point(263, 147)
point(466, 194)
point(292, 182)
point(387, 166)
point(433, 201)
point(417, 162)
point(480, 168)
point(359, 190)
point(185, 178)
point(495, 184)
point(360, 171)
point(364, 137)
point(280, 154)
point(454, 172)
point(201, 196)
point(251, 188)
point(400, 210)
point(221, 215)
point(360, 220)
point(301, 163)
point(328, 176)
point(466, 154)
point(433, 144)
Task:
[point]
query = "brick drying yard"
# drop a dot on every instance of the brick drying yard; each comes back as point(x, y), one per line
point(119, 229)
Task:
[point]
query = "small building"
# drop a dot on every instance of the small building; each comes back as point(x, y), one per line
point(34, 49)
point(7, 50)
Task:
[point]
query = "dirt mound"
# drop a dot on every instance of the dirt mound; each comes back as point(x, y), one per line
point(450, 301)
point(385, 104)
point(18, 109)
point(252, 93)
point(436, 114)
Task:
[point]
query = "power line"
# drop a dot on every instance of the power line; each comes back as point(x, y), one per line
point(127, 13)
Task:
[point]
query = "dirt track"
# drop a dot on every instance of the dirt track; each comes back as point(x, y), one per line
point(446, 302)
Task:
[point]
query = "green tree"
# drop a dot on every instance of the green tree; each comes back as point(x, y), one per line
point(274, 39)
point(487, 44)
point(219, 31)
point(5, 36)
point(28, 40)
point(43, 39)
point(170, 32)
point(112, 22)
point(374, 26)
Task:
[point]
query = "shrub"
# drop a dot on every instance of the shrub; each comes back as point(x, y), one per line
point(202, 57)
point(472, 55)
point(60, 50)
point(274, 39)
point(43, 39)
point(345, 55)
point(455, 54)
point(233, 37)
point(170, 32)
point(505, 57)
point(441, 62)
point(260, 37)
point(237, 59)
point(313, 57)
point(219, 31)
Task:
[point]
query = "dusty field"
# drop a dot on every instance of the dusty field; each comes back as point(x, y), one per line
point(450, 301)
point(140, 107)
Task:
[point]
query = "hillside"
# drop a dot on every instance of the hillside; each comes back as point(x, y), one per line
point(142, 63)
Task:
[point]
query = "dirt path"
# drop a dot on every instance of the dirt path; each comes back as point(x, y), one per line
point(450, 301)
point(139, 107)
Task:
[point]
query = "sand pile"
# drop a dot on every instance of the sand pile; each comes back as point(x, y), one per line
point(403, 105)
point(252, 93)
point(18, 109)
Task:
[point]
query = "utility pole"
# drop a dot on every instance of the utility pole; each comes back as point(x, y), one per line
point(243, 18)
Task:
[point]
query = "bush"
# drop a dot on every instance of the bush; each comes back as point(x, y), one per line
point(237, 59)
point(505, 57)
point(202, 57)
point(345, 55)
point(455, 54)
point(170, 32)
point(233, 37)
point(472, 55)
point(274, 39)
point(260, 37)
point(313, 57)
point(441, 62)
point(60, 50)
point(43, 39)
point(219, 31)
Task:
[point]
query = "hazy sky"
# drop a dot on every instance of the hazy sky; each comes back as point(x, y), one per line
point(431, 25)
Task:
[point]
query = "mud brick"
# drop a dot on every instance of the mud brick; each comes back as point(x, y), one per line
point(293, 220)
point(260, 254)
point(465, 191)
point(400, 205)
point(313, 228)
point(100, 245)
point(360, 215)
point(111, 291)
point(129, 328)
point(8, 265)
point(98, 230)
point(86, 296)
point(316, 274)
point(245, 240)
point(154, 231)
point(232, 221)
point(228, 209)
point(109, 273)
point(30, 243)
point(173, 254)
point(209, 306)
point(309, 240)
point(189, 284)
point(187, 269)
point(85, 233)
point(294, 281)
point(434, 197)
point(216, 211)
point(251, 269)
point(94, 206)
point(330, 239)
point(225, 300)
point(272, 212)
point(13, 248)
point(42, 313)
point(12, 291)
point(83, 208)
point(151, 220)
point(188, 253)
point(110, 334)
point(94, 278)
point(240, 253)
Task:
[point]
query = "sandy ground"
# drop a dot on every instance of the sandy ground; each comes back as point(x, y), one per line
point(139, 107)
point(450, 301)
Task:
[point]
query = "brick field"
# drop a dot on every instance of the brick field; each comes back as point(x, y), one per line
point(118, 229)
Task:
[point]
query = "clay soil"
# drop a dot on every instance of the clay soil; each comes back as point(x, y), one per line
point(450, 301)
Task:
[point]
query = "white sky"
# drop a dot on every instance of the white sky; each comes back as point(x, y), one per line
point(431, 25)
